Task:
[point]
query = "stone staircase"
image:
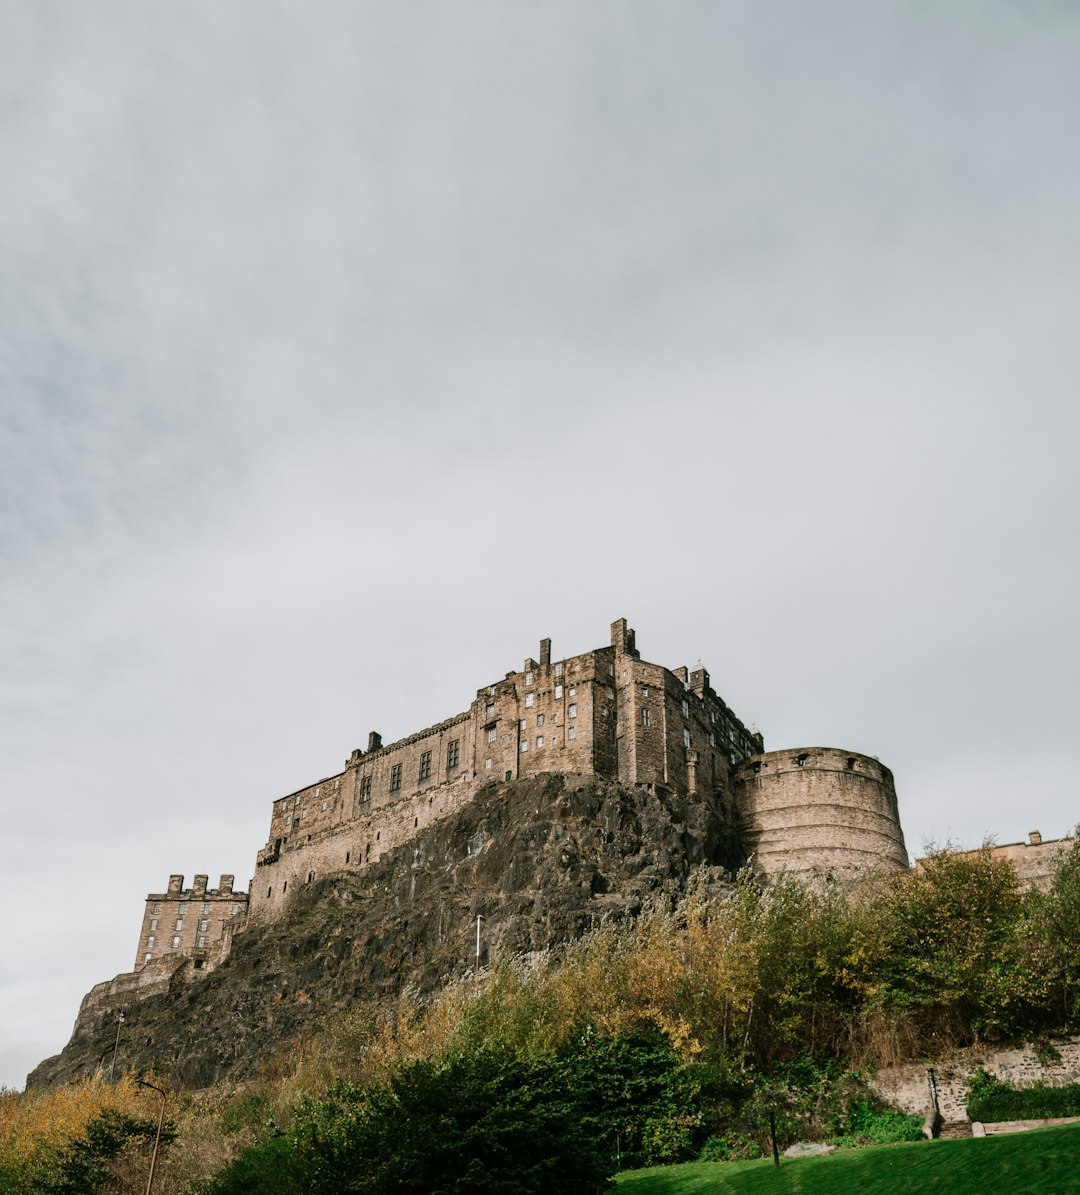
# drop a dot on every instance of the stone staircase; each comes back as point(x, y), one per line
point(954, 1130)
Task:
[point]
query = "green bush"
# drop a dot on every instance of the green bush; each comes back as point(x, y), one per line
point(870, 1124)
point(988, 1100)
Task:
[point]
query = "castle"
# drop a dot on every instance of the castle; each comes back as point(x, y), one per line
point(605, 713)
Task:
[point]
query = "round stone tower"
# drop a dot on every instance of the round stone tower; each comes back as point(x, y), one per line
point(818, 809)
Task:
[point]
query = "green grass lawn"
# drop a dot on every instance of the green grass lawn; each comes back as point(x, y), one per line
point(1041, 1162)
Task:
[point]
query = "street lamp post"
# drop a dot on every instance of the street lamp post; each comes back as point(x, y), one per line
point(157, 1138)
point(116, 1044)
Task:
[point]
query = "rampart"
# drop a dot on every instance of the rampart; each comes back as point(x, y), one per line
point(819, 809)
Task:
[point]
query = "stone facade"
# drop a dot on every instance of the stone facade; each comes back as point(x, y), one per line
point(1034, 860)
point(818, 809)
point(194, 923)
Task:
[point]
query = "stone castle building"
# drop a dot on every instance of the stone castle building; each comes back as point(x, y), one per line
point(605, 713)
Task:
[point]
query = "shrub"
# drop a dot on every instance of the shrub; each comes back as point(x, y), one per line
point(988, 1099)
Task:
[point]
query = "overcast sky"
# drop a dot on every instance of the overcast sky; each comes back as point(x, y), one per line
point(348, 349)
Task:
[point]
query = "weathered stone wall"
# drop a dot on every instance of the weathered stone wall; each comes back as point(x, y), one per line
point(192, 922)
point(1035, 861)
point(818, 809)
point(908, 1087)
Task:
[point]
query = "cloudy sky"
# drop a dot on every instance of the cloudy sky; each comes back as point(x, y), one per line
point(347, 349)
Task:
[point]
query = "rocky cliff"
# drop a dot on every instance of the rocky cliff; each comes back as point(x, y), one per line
point(542, 860)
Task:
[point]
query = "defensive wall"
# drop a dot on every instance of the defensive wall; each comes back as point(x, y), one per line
point(1034, 860)
point(818, 809)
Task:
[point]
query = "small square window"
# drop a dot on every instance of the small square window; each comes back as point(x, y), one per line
point(150, 941)
point(146, 958)
point(539, 719)
point(571, 711)
point(204, 926)
point(530, 700)
point(539, 741)
point(157, 907)
point(524, 746)
point(235, 910)
point(395, 778)
point(176, 943)
point(491, 734)
point(571, 732)
point(644, 692)
point(201, 942)
point(487, 765)
point(571, 691)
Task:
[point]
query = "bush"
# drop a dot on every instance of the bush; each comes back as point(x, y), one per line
point(988, 1100)
point(481, 1123)
point(870, 1124)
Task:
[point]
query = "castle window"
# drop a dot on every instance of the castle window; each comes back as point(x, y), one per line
point(610, 692)
point(712, 739)
point(685, 708)
point(571, 732)
point(646, 717)
point(204, 926)
point(530, 700)
point(558, 692)
point(539, 719)
point(205, 909)
point(644, 692)
point(524, 746)
point(146, 958)
point(179, 923)
point(686, 737)
point(153, 923)
point(572, 691)
point(176, 943)
point(490, 713)
point(395, 778)
point(523, 725)
point(528, 678)
point(491, 734)
point(201, 942)
point(539, 741)
point(157, 907)
point(347, 853)
point(487, 765)
point(269, 892)
point(365, 788)
point(453, 754)
point(611, 670)
point(297, 801)
point(558, 668)
point(801, 760)
point(150, 941)
point(235, 910)
point(571, 711)
point(425, 766)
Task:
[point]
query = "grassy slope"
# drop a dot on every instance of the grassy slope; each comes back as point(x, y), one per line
point(1042, 1162)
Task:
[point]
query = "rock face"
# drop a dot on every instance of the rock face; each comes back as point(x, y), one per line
point(542, 860)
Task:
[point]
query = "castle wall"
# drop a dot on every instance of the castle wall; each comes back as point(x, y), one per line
point(818, 809)
point(1035, 861)
point(196, 922)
